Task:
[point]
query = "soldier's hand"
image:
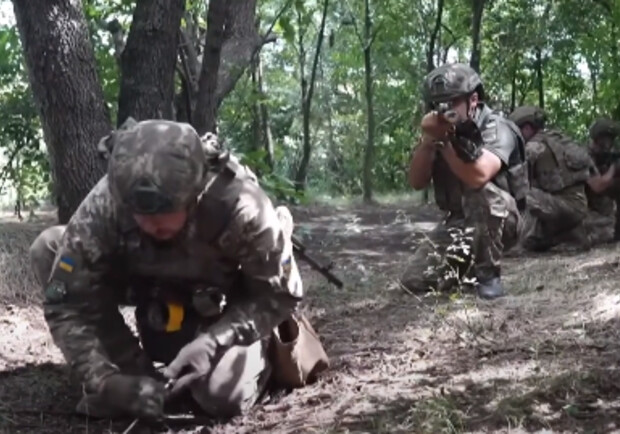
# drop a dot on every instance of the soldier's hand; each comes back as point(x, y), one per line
point(435, 126)
point(193, 362)
point(137, 396)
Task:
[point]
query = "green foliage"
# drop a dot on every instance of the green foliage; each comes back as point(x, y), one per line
point(574, 44)
point(25, 169)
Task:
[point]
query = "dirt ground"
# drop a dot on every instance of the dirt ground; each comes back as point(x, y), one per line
point(543, 359)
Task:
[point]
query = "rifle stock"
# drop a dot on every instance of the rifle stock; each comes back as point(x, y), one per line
point(300, 249)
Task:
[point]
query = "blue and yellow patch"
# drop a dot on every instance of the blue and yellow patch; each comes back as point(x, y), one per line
point(66, 263)
point(286, 266)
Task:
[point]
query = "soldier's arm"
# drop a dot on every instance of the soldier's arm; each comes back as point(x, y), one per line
point(257, 237)
point(601, 183)
point(421, 165)
point(499, 143)
point(76, 309)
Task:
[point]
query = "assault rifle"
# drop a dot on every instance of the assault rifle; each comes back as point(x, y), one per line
point(465, 136)
point(605, 158)
point(300, 249)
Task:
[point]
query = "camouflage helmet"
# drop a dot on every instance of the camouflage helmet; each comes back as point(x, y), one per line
point(604, 127)
point(156, 166)
point(528, 114)
point(450, 81)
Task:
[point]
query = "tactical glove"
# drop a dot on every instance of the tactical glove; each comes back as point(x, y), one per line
point(137, 396)
point(194, 361)
point(467, 141)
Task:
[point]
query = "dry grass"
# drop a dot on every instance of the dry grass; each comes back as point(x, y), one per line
point(543, 358)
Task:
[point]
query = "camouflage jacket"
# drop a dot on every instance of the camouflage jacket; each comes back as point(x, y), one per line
point(102, 244)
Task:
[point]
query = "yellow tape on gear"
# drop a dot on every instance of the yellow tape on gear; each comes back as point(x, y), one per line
point(175, 317)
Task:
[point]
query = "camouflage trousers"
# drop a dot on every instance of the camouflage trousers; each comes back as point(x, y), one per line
point(466, 245)
point(601, 228)
point(551, 219)
point(234, 384)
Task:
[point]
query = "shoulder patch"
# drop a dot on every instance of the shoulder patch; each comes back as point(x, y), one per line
point(489, 132)
point(534, 149)
point(66, 263)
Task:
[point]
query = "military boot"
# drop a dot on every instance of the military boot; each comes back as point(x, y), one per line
point(490, 289)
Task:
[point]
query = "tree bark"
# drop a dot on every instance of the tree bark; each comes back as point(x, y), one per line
point(149, 59)
point(205, 114)
point(476, 49)
point(307, 91)
point(63, 78)
point(369, 151)
point(241, 43)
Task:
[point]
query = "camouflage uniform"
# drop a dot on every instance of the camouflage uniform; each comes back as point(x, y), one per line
point(480, 223)
point(559, 168)
point(603, 222)
point(229, 275)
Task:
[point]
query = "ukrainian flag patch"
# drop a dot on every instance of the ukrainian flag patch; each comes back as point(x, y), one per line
point(286, 266)
point(66, 263)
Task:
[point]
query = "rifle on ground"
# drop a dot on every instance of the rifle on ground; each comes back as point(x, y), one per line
point(300, 249)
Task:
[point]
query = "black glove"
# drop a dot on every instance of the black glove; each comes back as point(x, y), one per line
point(137, 396)
point(194, 361)
point(467, 141)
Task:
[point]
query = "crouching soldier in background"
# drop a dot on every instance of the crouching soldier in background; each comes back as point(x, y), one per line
point(183, 232)
point(559, 170)
point(603, 223)
point(476, 162)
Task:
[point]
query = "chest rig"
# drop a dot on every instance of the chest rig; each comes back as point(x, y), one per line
point(186, 283)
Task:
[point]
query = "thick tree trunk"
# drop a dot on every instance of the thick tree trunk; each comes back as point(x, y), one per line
point(63, 77)
point(369, 150)
point(149, 59)
point(476, 49)
point(205, 115)
point(241, 43)
point(307, 91)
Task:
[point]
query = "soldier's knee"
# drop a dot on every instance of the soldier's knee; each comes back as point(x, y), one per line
point(42, 251)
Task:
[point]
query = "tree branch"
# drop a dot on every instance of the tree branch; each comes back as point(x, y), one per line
point(267, 36)
point(317, 53)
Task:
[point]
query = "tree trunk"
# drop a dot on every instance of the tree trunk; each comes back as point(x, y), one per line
point(430, 65)
point(241, 43)
point(149, 59)
point(265, 124)
point(63, 78)
point(307, 88)
point(369, 151)
point(205, 115)
point(513, 87)
point(539, 78)
point(476, 49)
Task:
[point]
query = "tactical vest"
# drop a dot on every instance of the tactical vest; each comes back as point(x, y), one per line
point(177, 287)
point(561, 164)
point(514, 179)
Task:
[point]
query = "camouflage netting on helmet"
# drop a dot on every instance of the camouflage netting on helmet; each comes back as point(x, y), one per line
point(165, 156)
point(528, 114)
point(603, 126)
point(451, 81)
